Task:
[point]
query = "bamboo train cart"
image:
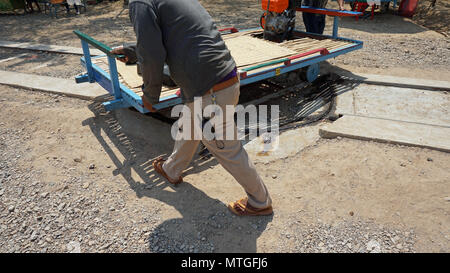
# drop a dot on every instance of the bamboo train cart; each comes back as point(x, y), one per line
point(304, 51)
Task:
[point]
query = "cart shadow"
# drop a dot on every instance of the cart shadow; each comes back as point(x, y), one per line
point(133, 141)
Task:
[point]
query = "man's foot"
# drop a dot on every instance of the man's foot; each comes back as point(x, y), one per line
point(157, 164)
point(243, 208)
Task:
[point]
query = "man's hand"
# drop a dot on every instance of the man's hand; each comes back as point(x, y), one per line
point(341, 5)
point(120, 51)
point(148, 105)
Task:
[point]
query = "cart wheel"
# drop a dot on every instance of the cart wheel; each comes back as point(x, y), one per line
point(310, 73)
point(262, 20)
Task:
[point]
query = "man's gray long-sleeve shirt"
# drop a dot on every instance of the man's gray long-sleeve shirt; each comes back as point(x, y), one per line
point(182, 34)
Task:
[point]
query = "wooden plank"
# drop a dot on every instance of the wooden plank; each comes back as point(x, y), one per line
point(48, 48)
point(328, 45)
point(389, 131)
point(396, 81)
point(242, 33)
point(102, 62)
point(66, 87)
point(129, 74)
point(249, 50)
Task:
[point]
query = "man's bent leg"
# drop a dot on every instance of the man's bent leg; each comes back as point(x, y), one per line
point(232, 155)
point(235, 160)
point(182, 154)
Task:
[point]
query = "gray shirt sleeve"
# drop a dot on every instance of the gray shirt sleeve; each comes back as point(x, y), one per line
point(150, 50)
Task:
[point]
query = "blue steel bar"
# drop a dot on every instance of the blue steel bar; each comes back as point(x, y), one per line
point(87, 56)
point(114, 77)
point(335, 27)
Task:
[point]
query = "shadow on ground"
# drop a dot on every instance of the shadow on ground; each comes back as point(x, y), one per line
point(388, 23)
point(133, 141)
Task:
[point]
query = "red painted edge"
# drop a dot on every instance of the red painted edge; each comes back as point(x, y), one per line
point(323, 51)
point(312, 58)
point(231, 29)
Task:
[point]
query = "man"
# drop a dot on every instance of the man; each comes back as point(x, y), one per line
point(76, 4)
point(315, 23)
point(29, 4)
point(182, 34)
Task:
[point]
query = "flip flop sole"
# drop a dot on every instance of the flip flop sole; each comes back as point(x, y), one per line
point(263, 212)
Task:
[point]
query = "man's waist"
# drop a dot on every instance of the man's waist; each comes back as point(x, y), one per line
point(227, 81)
point(230, 75)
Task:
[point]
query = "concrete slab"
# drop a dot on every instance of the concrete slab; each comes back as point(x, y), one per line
point(48, 48)
point(88, 91)
point(404, 104)
point(289, 143)
point(396, 81)
point(389, 131)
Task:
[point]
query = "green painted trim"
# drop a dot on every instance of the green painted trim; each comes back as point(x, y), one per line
point(266, 64)
point(99, 45)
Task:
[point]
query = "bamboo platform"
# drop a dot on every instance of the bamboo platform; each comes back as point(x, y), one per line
point(297, 46)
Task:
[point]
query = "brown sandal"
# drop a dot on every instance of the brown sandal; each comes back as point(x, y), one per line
point(242, 208)
point(157, 164)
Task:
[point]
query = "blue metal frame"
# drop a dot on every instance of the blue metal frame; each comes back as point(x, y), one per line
point(124, 97)
point(307, 61)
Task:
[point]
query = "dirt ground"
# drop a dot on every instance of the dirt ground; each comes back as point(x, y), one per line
point(393, 45)
point(73, 173)
point(435, 17)
point(76, 178)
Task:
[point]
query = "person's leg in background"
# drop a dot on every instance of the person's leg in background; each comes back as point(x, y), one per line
point(37, 4)
point(314, 23)
point(29, 4)
point(321, 18)
point(320, 23)
point(76, 4)
point(67, 7)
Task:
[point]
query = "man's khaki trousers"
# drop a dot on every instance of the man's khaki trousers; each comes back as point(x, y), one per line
point(230, 153)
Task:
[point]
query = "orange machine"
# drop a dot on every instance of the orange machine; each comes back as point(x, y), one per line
point(277, 6)
point(278, 19)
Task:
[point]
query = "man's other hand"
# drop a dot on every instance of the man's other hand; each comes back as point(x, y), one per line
point(341, 4)
point(148, 105)
point(120, 51)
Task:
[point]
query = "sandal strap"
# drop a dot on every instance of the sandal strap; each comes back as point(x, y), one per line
point(243, 208)
point(158, 165)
